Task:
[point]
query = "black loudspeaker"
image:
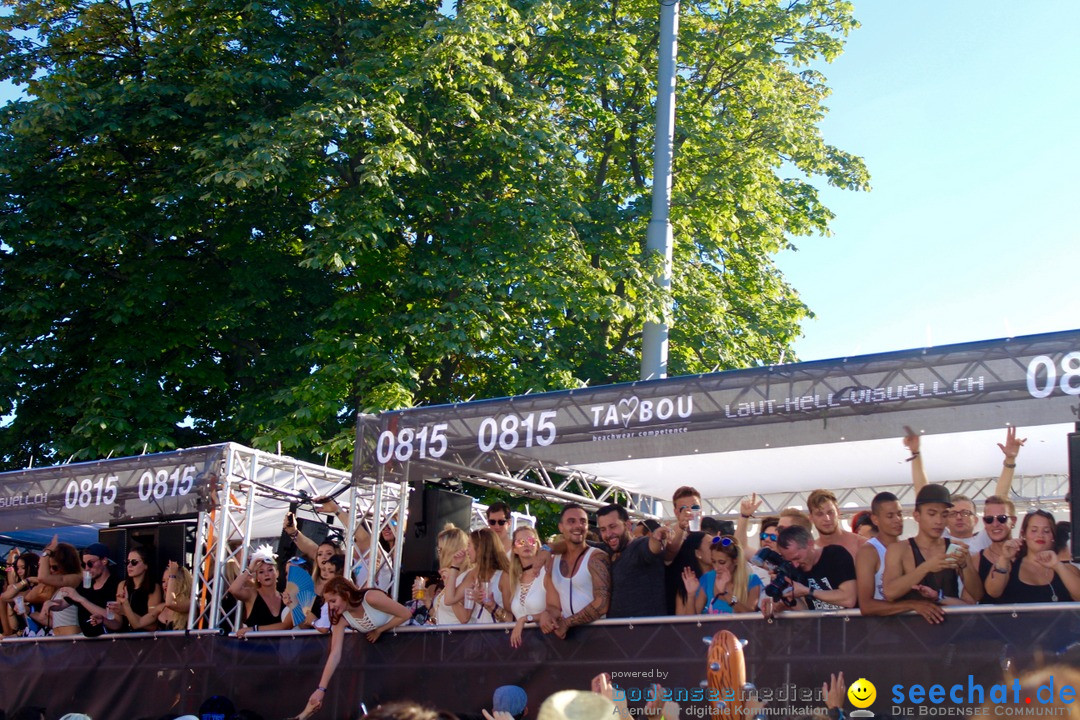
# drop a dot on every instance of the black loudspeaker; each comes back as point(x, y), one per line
point(429, 510)
point(167, 541)
point(1074, 486)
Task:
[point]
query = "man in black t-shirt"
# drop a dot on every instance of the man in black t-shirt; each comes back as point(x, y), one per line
point(829, 572)
point(92, 601)
point(637, 565)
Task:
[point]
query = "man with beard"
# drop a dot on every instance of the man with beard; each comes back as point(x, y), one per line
point(578, 581)
point(637, 565)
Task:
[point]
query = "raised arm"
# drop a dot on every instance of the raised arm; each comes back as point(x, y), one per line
point(912, 442)
point(243, 587)
point(1010, 449)
point(304, 544)
point(747, 508)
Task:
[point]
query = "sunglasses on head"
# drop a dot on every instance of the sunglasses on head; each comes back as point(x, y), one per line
point(500, 523)
point(723, 541)
point(769, 536)
point(990, 519)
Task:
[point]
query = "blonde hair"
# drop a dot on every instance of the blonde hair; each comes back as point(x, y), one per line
point(183, 591)
point(516, 568)
point(452, 540)
point(740, 573)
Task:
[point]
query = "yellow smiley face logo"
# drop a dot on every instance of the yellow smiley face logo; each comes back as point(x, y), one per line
point(862, 693)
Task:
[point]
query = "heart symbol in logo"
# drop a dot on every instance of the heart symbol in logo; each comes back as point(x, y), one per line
point(627, 408)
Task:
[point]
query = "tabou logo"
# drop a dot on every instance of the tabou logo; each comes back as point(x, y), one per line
point(633, 409)
point(862, 694)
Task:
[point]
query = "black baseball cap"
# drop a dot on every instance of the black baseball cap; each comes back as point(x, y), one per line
point(932, 493)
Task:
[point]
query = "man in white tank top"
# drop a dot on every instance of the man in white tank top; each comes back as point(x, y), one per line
point(578, 582)
point(888, 517)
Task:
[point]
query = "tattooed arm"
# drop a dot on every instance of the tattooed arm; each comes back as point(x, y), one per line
point(601, 582)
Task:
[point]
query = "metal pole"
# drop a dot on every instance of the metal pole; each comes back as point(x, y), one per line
point(654, 339)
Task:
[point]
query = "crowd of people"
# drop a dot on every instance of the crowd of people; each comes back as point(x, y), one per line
point(604, 566)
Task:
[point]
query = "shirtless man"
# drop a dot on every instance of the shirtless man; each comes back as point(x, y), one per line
point(825, 514)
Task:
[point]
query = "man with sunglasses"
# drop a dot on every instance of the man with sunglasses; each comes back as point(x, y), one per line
point(962, 518)
point(498, 517)
point(687, 502)
point(92, 601)
point(999, 518)
point(637, 565)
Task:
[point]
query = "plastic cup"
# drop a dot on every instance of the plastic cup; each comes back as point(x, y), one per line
point(695, 521)
point(20, 605)
point(86, 579)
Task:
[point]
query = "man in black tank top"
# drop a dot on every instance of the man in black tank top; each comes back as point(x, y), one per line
point(929, 565)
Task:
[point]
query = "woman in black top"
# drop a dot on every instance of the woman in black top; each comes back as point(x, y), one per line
point(1029, 570)
point(139, 592)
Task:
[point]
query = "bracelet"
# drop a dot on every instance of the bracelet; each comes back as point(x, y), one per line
point(913, 456)
point(320, 688)
point(747, 516)
point(46, 553)
point(999, 570)
point(1009, 465)
point(455, 567)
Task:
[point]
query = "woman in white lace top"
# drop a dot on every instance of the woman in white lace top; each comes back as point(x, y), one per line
point(369, 610)
point(523, 586)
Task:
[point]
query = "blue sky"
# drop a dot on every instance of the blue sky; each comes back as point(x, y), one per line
point(967, 115)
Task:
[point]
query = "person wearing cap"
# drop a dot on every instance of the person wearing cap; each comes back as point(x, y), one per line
point(510, 699)
point(930, 565)
point(93, 601)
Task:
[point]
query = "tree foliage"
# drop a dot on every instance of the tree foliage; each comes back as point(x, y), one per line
point(231, 220)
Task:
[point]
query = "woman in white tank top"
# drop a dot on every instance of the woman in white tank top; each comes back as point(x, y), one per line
point(454, 566)
point(522, 587)
point(486, 555)
point(371, 611)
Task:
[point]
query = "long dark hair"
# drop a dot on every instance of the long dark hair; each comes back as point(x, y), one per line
point(674, 585)
point(30, 562)
point(149, 580)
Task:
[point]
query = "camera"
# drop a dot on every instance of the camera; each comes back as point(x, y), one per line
point(782, 572)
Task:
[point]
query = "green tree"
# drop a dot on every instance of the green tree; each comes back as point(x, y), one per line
point(241, 220)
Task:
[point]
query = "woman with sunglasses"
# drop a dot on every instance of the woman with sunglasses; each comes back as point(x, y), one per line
point(522, 586)
point(138, 593)
point(1029, 570)
point(729, 587)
